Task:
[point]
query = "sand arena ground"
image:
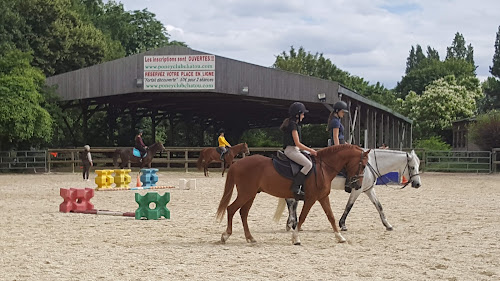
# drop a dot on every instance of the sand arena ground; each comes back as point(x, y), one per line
point(448, 229)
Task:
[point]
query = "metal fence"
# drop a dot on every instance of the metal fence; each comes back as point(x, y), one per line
point(186, 157)
point(458, 161)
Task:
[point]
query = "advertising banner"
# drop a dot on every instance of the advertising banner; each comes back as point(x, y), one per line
point(180, 72)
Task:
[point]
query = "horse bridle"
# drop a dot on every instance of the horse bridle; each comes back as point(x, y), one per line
point(354, 179)
point(378, 175)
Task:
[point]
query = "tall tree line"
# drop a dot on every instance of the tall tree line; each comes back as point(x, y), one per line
point(49, 37)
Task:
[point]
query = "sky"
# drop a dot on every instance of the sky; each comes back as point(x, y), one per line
point(367, 38)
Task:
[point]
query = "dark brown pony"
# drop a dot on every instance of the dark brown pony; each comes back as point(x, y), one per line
point(209, 155)
point(126, 155)
point(256, 173)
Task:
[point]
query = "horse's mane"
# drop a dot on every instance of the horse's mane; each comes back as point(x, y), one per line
point(336, 148)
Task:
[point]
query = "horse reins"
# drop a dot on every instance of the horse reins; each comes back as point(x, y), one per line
point(353, 179)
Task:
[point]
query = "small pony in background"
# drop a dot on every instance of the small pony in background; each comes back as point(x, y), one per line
point(211, 155)
point(127, 155)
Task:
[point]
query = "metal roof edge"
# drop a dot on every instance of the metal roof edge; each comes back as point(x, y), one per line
point(345, 91)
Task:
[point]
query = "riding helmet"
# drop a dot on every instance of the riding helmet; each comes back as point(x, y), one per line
point(340, 105)
point(221, 131)
point(297, 108)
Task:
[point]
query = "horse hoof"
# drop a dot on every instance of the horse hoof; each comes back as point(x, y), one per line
point(389, 228)
point(343, 228)
point(224, 238)
point(295, 238)
point(340, 238)
point(251, 240)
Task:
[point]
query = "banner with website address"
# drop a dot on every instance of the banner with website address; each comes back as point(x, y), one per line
point(184, 72)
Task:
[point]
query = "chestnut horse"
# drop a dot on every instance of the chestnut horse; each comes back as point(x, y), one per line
point(256, 173)
point(209, 155)
point(126, 155)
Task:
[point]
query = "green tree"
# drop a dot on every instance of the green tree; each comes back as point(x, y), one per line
point(458, 50)
point(12, 26)
point(491, 90)
point(443, 101)
point(430, 70)
point(495, 68)
point(432, 143)
point(485, 131)
point(22, 118)
point(316, 65)
point(60, 40)
point(417, 56)
point(137, 31)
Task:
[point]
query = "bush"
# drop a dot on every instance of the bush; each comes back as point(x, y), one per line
point(432, 143)
point(485, 132)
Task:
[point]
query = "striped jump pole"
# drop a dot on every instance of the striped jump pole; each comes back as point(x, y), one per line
point(105, 212)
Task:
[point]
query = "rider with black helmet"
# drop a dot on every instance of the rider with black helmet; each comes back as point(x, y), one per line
point(139, 144)
point(222, 144)
point(335, 127)
point(292, 144)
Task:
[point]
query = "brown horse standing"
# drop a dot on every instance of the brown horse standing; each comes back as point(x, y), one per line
point(209, 155)
point(256, 173)
point(126, 155)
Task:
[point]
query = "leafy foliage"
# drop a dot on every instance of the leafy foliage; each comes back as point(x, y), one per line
point(263, 138)
point(22, 118)
point(495, 68)
point(442, 102)
point(137, 31)
point(430, 70)
point(302, 62)
point(60, 40)
point(491, 90)
point(457, 50)
point(432, 143)
point(485, 132)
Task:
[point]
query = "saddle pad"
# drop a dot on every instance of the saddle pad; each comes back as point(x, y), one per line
point(288, 168)
point(137, 153)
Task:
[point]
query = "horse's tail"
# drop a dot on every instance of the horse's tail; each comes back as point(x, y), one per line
point(279, 209)
point(200, 161)
point(228, 193)
point(115, 157)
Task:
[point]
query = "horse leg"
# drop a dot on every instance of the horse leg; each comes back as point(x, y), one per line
point(373, 197)
point(352, 198)
point(244, 219)
point(231, 210)
point(292, 213)
point(224, 169)
point(325, 203)
point(303, 214)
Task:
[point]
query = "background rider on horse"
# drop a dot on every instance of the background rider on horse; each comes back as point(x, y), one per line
point(139, 144)
point(222, 144)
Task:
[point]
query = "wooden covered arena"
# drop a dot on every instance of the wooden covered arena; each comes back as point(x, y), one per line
point(217, 92)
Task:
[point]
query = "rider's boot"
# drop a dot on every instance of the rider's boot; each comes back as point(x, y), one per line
point(222, 156)
point(298, 186)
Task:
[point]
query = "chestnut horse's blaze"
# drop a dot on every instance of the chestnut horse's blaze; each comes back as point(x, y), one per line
point(256, 173)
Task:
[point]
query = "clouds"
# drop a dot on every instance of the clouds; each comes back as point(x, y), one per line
point(370, 39)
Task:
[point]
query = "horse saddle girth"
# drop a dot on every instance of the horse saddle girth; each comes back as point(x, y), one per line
point(286, 167)
point(137, 153)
